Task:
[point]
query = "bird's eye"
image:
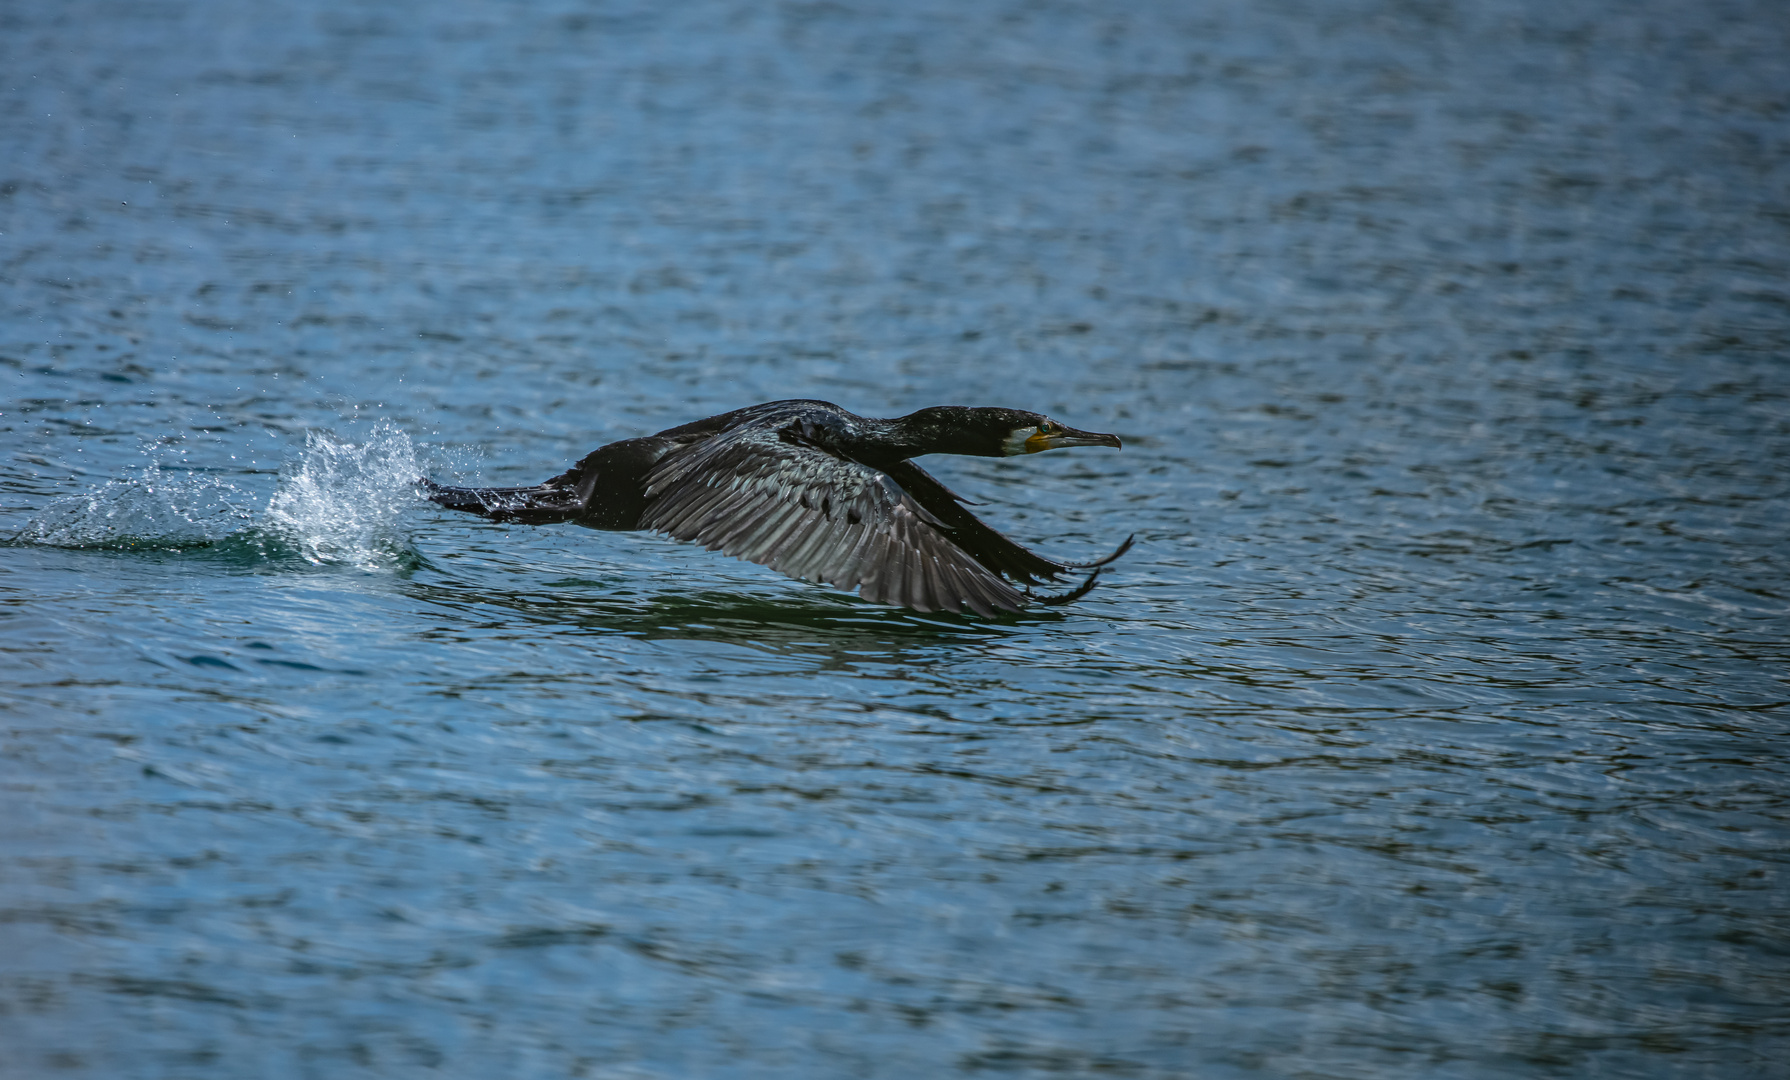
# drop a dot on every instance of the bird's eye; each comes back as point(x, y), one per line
point(1046, 428)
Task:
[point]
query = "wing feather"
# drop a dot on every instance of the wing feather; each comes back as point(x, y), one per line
point(742, 522)
point(734, 504)
point(799, 510)
point(913, 566)
point(976, 537)
point(941, 596)
point(809, 550)
point(754, 544)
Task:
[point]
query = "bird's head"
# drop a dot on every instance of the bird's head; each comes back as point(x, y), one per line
point(991, 432)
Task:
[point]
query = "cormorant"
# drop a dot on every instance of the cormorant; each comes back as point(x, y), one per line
point(815, 492)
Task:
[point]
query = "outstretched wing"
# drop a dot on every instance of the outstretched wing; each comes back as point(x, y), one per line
point(980, 540)
point(772, 497)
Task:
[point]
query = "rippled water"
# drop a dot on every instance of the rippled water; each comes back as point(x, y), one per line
point(1434, 728)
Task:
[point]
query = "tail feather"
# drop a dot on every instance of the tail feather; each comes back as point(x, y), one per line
point(542, 504)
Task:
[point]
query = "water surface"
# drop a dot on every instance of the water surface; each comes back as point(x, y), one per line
point(1433, 729)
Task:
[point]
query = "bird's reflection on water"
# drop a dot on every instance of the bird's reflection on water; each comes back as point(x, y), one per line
point(771, 622)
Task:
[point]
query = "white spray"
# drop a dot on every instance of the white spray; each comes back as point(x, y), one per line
point(338, 502)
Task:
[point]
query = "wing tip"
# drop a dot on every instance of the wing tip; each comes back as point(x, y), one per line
point(1074, 594)
point(1109, 560)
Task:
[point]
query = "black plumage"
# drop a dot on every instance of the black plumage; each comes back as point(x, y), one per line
point(818, 493)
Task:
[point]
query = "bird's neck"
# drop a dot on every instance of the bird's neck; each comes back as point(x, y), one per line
point(933, 431)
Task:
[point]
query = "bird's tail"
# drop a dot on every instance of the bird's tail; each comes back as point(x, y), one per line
point(542, 504)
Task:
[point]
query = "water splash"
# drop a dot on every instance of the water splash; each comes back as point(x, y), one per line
point(343, 502)
point(154, 509)
point(338, 503)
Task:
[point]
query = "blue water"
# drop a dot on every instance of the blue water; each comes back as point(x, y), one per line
point(1434, 728)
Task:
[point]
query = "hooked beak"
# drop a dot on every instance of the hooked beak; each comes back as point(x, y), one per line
point(1062, 436)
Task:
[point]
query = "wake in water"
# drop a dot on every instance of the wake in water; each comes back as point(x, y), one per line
point(154, 508)
point(337, 503)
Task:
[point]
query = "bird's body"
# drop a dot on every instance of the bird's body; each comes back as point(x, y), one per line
point(815, 492)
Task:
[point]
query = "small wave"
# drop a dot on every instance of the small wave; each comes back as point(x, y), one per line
point(337, 503)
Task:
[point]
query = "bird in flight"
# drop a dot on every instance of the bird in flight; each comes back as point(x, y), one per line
point(813, 491)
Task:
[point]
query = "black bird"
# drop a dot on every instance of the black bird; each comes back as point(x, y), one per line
point(815, 492)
